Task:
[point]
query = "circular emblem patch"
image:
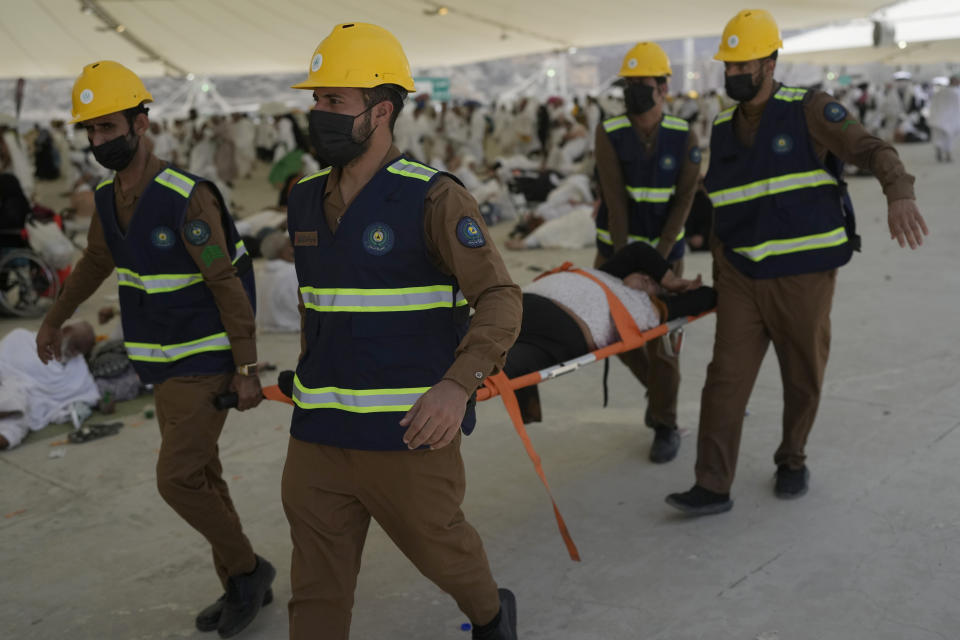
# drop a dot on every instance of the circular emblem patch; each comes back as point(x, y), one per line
point(317, 62)
point(632, 63)
point(378, 239)
point(162, 237)
point(782, 144)
point(834, 112)
point(197, 232)
point(86, 96)
point(733, 41)
point(668, 162)
point(695, 155)
point(469, 233)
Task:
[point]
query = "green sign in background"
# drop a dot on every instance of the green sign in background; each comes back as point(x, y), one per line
point(438, 88)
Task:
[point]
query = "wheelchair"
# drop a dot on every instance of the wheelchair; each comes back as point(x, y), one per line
point(28, 284)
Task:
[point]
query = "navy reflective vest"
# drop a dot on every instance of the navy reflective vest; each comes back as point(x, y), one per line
point(651, 182)
point(382, 322)
point(778, 209)
point(171, 323)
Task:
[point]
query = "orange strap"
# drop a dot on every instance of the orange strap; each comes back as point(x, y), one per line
point(273, 393)
point(500, 382)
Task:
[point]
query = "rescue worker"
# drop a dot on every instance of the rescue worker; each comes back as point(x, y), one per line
point(784, 224)
point(648, 164)
point(389, 253)
point(187, 306)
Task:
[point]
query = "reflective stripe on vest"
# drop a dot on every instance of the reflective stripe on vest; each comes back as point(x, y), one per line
point(794, 245)
point(104, 183)
point(604, 236)
point(167, 282)
point(651, 194)
point(318, 174)
point(409, 169)
point(677, 124)
point(355, 400)
point(612, 124)
point(790, 94)
point(149, 352)
point(724, 116)
point(176, 181)
point(373, 300)
point(771, 186)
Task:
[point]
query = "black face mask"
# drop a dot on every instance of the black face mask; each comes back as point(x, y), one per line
point(639, 98)
point(117, 154)
point(741, 88)
point(332, 137)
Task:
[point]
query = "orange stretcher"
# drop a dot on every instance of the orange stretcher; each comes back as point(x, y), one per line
point(631, 337)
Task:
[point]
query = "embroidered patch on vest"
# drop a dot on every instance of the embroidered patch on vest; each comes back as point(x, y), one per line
point(668, 162)
point(305, 239)
point(469, 233)
point(695, 155)
point(782, 144)
point(162, 237)
point(834, 112)
point(197, 232)
point(378, 239)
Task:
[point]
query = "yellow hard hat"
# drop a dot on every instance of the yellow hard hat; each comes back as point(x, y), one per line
point(106, 87)
point(359, 55)
point(645, 59)
point(751, 35)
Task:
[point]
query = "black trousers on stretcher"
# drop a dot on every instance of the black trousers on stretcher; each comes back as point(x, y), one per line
point(548, 336)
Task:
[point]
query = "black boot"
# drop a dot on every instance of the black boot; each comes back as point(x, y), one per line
point(245, 596)
point(700, 502)
point(504, 626)
point(209, 618)
point(791, 483)
point(666, 442)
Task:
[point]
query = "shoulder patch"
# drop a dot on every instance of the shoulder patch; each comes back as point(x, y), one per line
point(834, 112)
point(469, 233)
point(197, 232)
point(695, 155)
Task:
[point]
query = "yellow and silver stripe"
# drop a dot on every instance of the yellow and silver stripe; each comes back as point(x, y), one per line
point(379, 300)
point(153, 352)
point(771, 186)
point(355, 400)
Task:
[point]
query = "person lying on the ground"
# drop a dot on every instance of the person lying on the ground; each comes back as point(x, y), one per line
point(32, 394)
point(566, 315)
point(575, 229)
point(277, 286)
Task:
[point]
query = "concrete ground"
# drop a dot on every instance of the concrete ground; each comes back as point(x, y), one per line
point(89, 550)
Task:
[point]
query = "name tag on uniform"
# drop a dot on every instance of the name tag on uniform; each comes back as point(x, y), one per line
point(305, 239)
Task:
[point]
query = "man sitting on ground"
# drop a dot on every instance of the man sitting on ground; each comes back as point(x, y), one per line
point(566, 315)
point(32, 394)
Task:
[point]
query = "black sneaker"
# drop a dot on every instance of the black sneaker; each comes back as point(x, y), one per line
point(700, 502)
point(504, 626)
point(666, 444)
point(791, 483)
point(245, 596)
point(209, 618)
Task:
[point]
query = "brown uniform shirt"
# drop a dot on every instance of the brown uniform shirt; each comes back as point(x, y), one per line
point(614, 192)
point(219, 275)
point(480, 272)
point(847, 140)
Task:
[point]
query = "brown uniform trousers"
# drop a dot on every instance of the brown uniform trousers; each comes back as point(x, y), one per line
point(189, 471)
point(659, 372)
point(793, 312)
point(329, 495)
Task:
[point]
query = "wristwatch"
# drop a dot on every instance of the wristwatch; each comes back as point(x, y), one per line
point(247, 369)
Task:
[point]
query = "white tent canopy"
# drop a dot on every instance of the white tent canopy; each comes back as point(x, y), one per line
point(924, 31)
point(54, 38)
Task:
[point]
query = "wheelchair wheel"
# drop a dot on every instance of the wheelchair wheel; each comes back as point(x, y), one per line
point(28, 285)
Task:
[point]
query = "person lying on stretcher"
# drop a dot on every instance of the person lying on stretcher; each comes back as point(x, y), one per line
point(566, 315)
